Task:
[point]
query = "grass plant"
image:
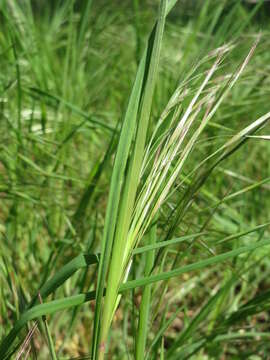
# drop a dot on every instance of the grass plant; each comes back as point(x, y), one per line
point(142, 217)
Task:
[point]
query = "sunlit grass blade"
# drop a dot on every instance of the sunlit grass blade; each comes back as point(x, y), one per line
point(192, 267)
point(63, 274)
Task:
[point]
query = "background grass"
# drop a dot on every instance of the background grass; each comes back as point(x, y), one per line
point(67, 70)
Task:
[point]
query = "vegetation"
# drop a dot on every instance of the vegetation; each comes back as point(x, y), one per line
point(134, 177)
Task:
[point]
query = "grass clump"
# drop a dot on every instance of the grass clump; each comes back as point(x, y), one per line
point(161, 216)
